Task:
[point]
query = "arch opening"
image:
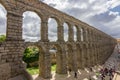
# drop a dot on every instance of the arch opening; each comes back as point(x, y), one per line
point(56, 56)
point(3, 23)
point(53, 55)
point(33, 61)
point(65, 31)
point(82, 39)
point(31, 58)
point(31, 27)
point(75, 33)
point(52, 29)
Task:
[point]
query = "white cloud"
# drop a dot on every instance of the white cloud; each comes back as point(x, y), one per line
point(114, 3)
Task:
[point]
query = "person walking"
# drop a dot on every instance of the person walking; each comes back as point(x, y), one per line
point(106, 71)
point(75, 75)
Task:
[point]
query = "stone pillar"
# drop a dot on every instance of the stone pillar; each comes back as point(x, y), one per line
point(91, 54)
point(61, 62)
point(44, 29)
point(84, 55)
point(95, 55)
point(64, 62)
point(78, 34)
point(45, 63)
point(88, 35)
point(75, 66)
point(87, 55)
point(60, 32)
point(93, 36)
point(14, 26)
point(79, 56)
point(84, 35)
point(71, 34)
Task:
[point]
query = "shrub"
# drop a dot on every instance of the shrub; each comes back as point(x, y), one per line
point(2, 38)
point(31, 55)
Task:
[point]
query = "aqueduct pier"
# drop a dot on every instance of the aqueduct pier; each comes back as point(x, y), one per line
point(91, 47)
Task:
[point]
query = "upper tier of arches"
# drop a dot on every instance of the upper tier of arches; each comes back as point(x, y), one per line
point(76, 29)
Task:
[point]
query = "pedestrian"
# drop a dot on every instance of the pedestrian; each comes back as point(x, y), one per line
point(101, 71)
point(106, 71)
point(91, 69)
point(110, 78)
point(102, 77)
point(113, 70)
point(90, 77)
point(69, 70)
point(75, 75)
point(111, 73)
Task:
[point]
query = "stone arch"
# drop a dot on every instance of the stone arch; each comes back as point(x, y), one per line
point(84, 34)
point(3, 3)
point(31, 26)
point(3, 22)
point(40, 61)
point(53, 31)
point(58, 52)
point(66, 28)
point(58, 21)
point(39, 12)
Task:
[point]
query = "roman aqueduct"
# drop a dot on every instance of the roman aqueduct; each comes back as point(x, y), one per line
point(91, 47)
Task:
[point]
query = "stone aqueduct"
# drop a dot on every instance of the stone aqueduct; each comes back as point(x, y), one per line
point(95, 47)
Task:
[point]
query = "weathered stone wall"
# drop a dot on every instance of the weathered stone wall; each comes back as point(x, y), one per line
point(95, 47)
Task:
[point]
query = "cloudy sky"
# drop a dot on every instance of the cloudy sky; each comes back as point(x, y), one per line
point(102, 14)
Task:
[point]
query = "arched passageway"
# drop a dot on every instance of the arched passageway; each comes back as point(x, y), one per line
point(34, 56)
point(31, 26)
point(58, 59)
point(31, 58)
point(53, 56)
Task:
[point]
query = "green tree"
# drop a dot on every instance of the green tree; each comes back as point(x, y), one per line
point(31, 55)
point(2, 38)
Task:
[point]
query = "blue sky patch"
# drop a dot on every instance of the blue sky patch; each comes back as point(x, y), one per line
point(116, 9)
